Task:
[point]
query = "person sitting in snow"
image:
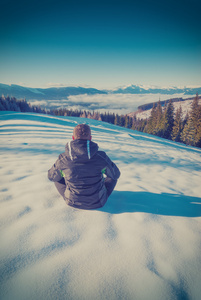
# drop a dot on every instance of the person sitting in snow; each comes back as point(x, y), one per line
point(84, 176)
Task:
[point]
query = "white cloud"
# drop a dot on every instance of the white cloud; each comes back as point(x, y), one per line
point(118, 103)
point(38, 102)
point(113, 103)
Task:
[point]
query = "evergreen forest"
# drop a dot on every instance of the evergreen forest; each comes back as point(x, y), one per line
point(164, 122)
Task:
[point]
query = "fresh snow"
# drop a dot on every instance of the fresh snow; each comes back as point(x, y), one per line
point(186, 107)
point(144, 244)
point(150, 86)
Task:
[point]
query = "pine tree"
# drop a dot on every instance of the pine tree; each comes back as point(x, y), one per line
point(141, 125)
point(112, 117)
point(168, 121)
point(122, 121)
point(191, 134)
point(188, 133)
point(116, 120)
point(83, 115)
point(134, 121)
point(159, 118)
point(198, 136)
point(196, 118)
point(128, 122)
point(151, 124)
point(178, 126)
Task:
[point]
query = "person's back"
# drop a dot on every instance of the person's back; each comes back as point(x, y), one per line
point(78, 172)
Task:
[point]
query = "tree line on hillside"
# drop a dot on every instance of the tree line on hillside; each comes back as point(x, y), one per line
point(163, 121)
point(171, 125)
point(12, 104)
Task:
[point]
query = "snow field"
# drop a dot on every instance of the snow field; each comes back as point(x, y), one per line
point(185, 105)
point(143, 244)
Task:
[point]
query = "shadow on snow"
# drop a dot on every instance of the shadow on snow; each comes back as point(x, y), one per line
point(159, 204)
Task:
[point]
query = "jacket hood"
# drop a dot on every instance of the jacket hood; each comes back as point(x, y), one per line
point(81, 150)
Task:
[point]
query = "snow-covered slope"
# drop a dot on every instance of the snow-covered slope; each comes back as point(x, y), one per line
point(185, 106)
point(144, 244)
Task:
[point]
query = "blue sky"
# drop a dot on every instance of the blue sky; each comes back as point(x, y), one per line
point(100, 43)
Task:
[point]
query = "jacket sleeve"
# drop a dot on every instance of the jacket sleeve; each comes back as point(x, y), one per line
point(110, 169)
point(55, 173)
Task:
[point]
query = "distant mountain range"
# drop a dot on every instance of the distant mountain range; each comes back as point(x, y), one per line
point(138, 89)
point(58, 93)
point(52, 93)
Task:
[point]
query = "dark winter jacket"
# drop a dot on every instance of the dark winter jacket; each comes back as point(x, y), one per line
point(82, 167)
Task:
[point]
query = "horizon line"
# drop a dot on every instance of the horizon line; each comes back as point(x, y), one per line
point(145, 86)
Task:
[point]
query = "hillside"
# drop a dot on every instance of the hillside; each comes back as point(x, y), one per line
point(53, 93)
point(144, 244)
point(144, 111)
